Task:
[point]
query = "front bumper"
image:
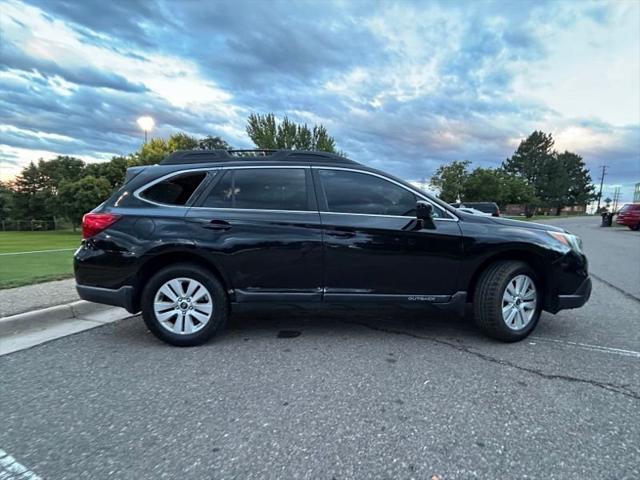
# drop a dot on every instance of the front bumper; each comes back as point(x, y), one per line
point(121, 297)
point(576, 299)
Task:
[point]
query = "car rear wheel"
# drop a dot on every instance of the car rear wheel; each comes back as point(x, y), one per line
point(184, 305)
point(507, 301)
point(635, 227)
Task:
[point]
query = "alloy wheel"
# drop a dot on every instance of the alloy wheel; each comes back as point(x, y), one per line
point(183, 306)
point(519, 302)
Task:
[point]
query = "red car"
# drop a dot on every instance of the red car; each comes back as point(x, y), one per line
point(629, 215)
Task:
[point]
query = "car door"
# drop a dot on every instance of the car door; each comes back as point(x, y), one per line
point(261, 227)
point(372, 249)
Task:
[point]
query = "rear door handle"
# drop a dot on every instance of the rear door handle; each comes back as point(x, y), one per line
point(217, 225)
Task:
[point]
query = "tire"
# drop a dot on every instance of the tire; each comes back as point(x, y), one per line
point(635, 227)
point(198, 312)
point(490, 300)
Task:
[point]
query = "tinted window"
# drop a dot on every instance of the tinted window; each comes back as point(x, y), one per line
point(352, 192)
point(260, 188)
point(175, 190)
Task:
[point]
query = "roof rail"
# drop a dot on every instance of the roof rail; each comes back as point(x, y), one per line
point(214, 156)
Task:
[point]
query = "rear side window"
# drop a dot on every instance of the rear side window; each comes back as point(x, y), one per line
point(176, 190)
point(353, 192)
point(260, 188)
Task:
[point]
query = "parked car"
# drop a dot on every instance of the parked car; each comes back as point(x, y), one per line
point(629, 215)
point(486, 207)
point(473, 211)
point(186, 240)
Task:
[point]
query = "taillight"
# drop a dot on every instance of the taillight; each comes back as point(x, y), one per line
point(94, 223)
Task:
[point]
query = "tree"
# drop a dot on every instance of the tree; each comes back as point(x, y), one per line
point(529, 160)
point(495, 185)
point(181, 141)
point(6, 201)
point(79, 197)
point(59, 169)
point(30, 195)
point(449, 179)
point(557, 179)
point(112, 171)
point(529, 157)
point(156, 149)
point(262, 130)
point(213, 143)
point(581, 189)
point(268, 134)
point(322, 141)
point(286, 135)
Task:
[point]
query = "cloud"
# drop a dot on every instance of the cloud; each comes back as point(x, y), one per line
point(13, 59)
point(403, 87)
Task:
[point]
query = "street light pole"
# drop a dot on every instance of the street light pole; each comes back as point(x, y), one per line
point(146, 124)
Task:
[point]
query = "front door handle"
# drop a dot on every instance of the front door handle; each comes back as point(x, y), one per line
point(217, 225)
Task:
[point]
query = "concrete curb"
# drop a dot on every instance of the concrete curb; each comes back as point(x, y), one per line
point(25, 330)
point(49, 315)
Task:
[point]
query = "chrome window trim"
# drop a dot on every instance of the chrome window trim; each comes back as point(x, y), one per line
point(139, 190)
point(415, 192)
point(315, 212)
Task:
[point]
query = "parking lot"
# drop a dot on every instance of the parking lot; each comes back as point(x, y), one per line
point(342, 393)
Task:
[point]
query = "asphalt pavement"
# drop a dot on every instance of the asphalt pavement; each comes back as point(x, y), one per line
point(341, 393)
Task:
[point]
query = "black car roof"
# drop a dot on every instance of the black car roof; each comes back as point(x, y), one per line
point(190, 157)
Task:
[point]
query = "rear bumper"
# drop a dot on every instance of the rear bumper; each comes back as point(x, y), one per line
point(576, 299)
point(121, 297)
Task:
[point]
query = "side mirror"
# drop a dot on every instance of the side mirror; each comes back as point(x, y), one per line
point(423, 210)
point(424, 214)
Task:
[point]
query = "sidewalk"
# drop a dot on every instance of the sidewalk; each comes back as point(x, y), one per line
point(34, 297)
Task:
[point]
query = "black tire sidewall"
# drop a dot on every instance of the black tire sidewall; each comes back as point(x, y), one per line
point(488, 313)
point(219, 297)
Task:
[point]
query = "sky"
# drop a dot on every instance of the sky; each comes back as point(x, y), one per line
point(402, 86)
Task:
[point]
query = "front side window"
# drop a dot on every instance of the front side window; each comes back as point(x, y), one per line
point(353, 192)
point(260, 188)
point(175, 190)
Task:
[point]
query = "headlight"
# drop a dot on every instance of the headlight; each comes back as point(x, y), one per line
point(572, 241)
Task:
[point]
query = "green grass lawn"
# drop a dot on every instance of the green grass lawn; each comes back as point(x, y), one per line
point(27, 268)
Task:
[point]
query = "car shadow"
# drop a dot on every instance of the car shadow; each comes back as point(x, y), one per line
point(290, 321)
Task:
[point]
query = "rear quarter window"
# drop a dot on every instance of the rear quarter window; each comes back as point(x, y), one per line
point(176, 190)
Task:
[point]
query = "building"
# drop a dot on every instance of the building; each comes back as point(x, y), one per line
point(636, 193)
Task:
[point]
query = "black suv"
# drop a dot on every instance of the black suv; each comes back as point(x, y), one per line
point(184, 240)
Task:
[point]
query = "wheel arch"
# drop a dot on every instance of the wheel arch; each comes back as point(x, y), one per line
point(161, 260)
point(536, 260)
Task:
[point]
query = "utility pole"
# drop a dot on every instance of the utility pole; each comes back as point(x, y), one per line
point(604, 170)
point(616, 198)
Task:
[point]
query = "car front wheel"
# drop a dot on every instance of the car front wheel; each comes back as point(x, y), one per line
point(507, 301)
point(184, 305)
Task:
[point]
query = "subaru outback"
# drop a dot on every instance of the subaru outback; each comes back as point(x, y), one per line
point(185, 240)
